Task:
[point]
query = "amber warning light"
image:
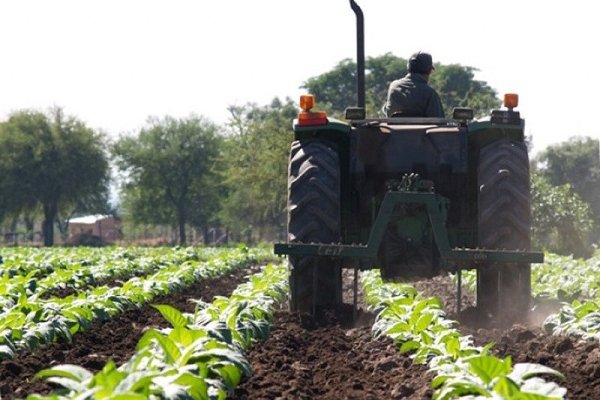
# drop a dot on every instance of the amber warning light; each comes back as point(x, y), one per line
point(511, 100)
point(307, 102)
point(307, 117)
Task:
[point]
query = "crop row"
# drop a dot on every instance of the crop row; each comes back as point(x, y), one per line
point(33, 271)
point(199, 357)
point(32, 321)
point(420, 327)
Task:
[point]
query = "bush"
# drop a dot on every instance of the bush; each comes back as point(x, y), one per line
point(85, 239)
point(561, 222)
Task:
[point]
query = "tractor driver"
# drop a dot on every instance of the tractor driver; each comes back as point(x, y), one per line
point(412, 96)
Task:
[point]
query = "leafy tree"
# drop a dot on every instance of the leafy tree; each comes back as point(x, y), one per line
point(336, 89)
point(169, 175)
point(561, 221)
point(457, 87)
point(255, 168)
point(575, 162)
point(51, 160)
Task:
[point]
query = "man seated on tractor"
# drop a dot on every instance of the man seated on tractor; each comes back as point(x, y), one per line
point(412, 96)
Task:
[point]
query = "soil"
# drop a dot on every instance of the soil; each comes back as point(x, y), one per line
point(114, 339)
point(331, 355)
point(331, 358)
point(326, 358)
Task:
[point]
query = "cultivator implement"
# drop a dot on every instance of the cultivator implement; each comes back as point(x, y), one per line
point(453, 259)
point(364, 256)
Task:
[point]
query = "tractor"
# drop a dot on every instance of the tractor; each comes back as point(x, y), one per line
point(412, 196)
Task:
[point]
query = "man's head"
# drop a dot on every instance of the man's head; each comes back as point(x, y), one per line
point(420, 63)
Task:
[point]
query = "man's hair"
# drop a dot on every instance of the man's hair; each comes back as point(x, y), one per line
point(420, 63)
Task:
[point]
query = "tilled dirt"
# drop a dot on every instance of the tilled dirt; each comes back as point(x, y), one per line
point(332, 356)
point(322, 358)
point(114, 339)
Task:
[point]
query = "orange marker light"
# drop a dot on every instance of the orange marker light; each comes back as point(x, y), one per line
point(307, 102)
point(307, 118)
point(511, 100)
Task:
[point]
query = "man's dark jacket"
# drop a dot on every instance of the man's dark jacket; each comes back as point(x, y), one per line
point(411, 96)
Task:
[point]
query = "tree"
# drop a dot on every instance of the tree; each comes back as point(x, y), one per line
point(457, 87)
point(336, 89)
point(255, 168)
point(169, 175)
point(575, 162)
point(51, 160)
point(561, 221)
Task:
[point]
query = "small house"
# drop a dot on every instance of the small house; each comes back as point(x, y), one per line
point(105, 227)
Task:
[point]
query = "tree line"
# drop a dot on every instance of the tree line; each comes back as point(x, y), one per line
point(191, 172)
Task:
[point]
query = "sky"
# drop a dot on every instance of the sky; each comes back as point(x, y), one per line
point(114, 63)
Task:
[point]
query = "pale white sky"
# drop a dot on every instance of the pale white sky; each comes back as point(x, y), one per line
point(113, 63)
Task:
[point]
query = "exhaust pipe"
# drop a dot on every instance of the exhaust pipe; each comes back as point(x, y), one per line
point(360, 53)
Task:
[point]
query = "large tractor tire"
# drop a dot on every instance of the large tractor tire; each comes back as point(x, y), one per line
point(314, 217)
point(504, 290)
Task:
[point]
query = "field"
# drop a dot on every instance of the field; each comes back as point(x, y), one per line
point(212, 323)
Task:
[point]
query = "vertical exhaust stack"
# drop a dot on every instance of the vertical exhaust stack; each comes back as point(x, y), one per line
point(360, 54)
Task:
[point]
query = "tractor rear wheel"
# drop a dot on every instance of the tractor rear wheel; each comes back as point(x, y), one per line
point(313, 217)
point(504, 290)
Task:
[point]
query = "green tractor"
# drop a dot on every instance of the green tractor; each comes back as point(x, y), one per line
point(412, 196)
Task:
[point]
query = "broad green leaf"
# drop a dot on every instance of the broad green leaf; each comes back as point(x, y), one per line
point(185, 336)
point(559, 394)
point(409, 345)
point(67, 383)
point(220, 355)
point(196, 386)
point(168, 346)
point(172, 315)
point(398, 327)
point(426, 337)
point(488, 367)
point(423, 322)
point(73, 372)
point(452, 346)
point(421, 305)
point(524, 371)
point(231, 374)
point(506, 387)
point(138, 382)
point(439, 381)
point(461, 386)
point(170, 390)
point(109, 378)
